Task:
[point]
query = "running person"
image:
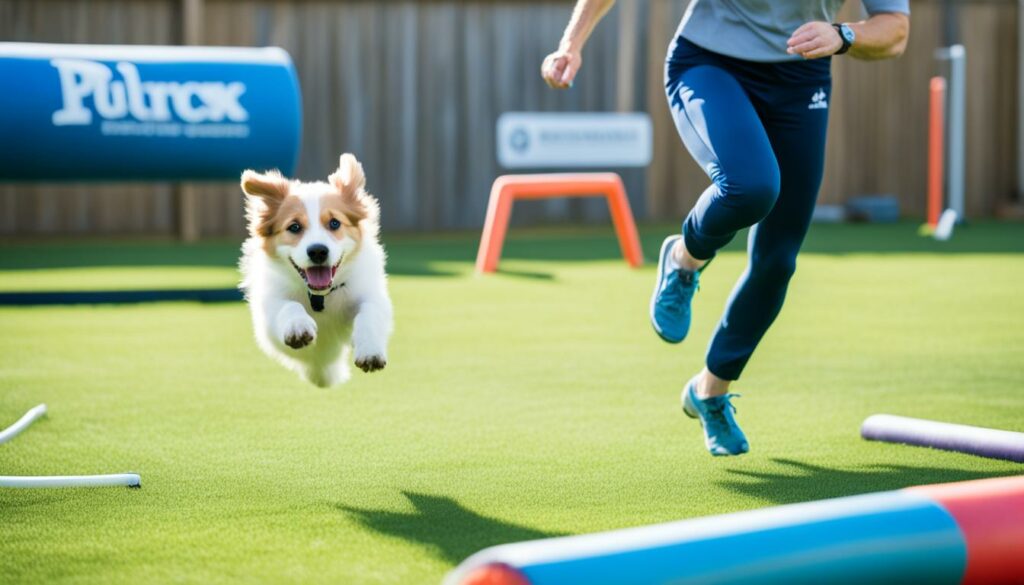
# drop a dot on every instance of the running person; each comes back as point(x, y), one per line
point(748, 84)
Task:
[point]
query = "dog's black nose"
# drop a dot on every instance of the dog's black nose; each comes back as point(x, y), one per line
point(317, 253)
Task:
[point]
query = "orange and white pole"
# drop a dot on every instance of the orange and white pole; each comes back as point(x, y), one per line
point(936, 149)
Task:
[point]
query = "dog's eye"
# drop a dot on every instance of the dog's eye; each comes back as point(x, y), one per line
point(334, 224)
point(295, 227)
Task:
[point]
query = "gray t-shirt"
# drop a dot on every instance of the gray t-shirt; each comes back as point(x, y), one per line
point(757, 30)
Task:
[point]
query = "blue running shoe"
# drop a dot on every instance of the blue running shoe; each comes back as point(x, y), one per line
point(722, 435)
point(670, 303)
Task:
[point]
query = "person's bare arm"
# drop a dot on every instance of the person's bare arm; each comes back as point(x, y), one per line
point(561, 67)
point(882, 36)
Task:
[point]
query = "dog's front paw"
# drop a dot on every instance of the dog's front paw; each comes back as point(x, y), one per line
point(300, 332)
point(371, 363)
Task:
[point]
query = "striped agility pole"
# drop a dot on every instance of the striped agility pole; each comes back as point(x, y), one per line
point(970, 532)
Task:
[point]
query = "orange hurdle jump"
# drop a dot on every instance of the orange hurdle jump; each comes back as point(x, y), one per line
point(508, 188)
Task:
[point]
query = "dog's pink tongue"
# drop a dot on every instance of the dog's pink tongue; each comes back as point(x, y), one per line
point(318, 277)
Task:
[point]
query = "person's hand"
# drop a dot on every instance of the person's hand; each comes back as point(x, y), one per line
point(560, 68)
point(814, 40)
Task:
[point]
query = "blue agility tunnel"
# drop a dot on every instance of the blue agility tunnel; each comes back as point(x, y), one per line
point(82, 112)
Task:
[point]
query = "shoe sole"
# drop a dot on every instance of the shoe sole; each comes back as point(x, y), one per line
point(687, 407)
point(665, 248)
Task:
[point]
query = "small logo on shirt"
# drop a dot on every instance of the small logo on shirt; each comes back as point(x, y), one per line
point(818, 101)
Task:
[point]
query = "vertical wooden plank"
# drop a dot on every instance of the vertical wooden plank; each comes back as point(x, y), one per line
point(8, 207)
point(479, 115)
point(659, 174)
point(192, 18)
point(189, 219)
point(1020, 102)
point(629, 28)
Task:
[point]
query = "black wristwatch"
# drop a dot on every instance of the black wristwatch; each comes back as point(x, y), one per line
point(847, 35)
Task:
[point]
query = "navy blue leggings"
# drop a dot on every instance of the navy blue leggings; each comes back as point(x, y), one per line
point(758, 131)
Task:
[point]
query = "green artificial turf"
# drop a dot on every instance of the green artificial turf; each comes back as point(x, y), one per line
point(526, 404)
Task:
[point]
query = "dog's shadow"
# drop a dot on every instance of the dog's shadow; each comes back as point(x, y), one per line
point(446, 528)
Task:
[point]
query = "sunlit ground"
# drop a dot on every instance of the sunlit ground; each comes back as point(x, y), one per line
point(530, 403)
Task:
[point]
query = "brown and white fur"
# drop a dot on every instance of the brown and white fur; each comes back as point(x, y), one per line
point(337, 226)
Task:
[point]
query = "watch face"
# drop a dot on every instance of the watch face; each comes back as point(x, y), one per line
point(847, 33)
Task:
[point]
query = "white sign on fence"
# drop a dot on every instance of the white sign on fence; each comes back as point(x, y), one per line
point(573, 140)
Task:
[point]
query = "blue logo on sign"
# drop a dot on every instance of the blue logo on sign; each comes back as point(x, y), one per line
point(519, 140)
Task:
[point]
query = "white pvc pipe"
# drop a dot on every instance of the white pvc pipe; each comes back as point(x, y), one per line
point(60, 481)
point(944, 229)
point(957, 133)
point(23, 423)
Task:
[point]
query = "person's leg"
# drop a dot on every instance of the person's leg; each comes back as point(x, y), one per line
point(797, 135)
point(721, 128)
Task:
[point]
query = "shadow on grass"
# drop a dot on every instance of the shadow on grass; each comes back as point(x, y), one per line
point(406, 258)
point(419, 255)
point(442, 525)
point(17, 500)
point(596, 243)
point(129, 253)
point(528, 274)
point(804, 482)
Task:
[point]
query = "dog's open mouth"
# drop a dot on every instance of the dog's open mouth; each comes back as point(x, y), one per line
point(318, 278)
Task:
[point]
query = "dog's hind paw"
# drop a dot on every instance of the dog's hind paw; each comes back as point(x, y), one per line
point(300, 333)
point(371, 363)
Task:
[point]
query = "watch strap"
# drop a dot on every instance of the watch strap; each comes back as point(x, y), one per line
point(846, 44)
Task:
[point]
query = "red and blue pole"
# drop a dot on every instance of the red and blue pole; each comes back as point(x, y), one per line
point(990, 516)
point(970, 532)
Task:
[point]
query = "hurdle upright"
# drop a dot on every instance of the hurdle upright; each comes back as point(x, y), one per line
point(508, 188)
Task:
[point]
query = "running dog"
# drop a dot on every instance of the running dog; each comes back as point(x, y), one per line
point(313, 273)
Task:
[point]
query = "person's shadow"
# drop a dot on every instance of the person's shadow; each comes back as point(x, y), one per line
point(803, 482)
point(445, 527)
point(452, 532)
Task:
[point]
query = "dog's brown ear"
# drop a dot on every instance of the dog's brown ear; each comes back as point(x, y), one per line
point(350, 181)
point(269, 185)
point(265, 193)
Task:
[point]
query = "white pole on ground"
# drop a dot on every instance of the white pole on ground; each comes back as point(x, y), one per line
point(957, 115)
point(23, 423)
point(61, 481)
point(944, 229)
point(58, 481)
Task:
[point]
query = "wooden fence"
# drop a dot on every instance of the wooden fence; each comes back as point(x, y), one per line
point(414, 89)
